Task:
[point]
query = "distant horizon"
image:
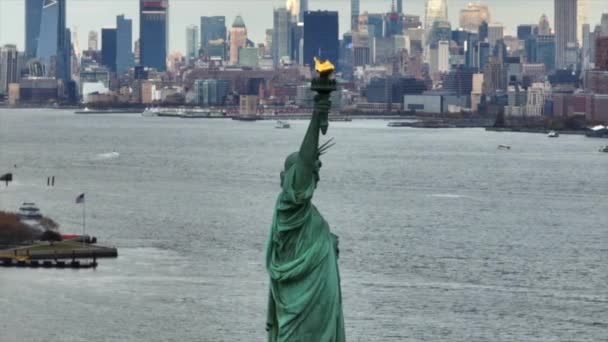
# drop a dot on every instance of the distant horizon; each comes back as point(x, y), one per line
point(86, 15)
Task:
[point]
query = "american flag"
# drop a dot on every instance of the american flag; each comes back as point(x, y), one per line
point(80, 198)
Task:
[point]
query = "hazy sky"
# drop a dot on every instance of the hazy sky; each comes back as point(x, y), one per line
point(88, 15)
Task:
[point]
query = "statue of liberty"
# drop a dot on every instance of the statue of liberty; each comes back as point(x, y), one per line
point(305, 300)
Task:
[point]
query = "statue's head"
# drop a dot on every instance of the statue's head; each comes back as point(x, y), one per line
point(292, 159)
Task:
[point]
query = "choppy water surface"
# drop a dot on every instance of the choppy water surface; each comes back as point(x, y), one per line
point(443, 237)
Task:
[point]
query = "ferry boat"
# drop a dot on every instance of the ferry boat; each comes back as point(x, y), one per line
point(553, 134)
point(29, 211)
point(604, 149)
point(282, 124)
point(86, 110)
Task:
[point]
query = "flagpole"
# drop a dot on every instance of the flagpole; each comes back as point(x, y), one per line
point(83, 221)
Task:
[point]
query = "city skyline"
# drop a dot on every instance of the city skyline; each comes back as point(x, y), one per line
point(86, 15)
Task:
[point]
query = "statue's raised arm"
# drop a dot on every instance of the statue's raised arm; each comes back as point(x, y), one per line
point(308, 155)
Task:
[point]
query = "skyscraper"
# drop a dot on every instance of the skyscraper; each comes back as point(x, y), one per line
point(238, 39)
point(495, 32)
point(93, 43)
point(581, 18)
point(473, 15)
point(565, 30)
point(321, 37)
point(399, 8)
point(153, 33)
point(213, 29)
point(53, 49)
point(297, 9)
point(108, 48)
point(33, 15)
point(354, 15)
point(124, 44)
point(191, 42)
point(281, 35)
point(436, 10)
point(544, 28)
point(9, 67)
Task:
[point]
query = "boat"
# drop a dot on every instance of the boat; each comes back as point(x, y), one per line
point(597, 132)
point(399, 124)
point(203, 114)
point(150, 111)
point(340, 119)
point(282, 124)
point(86, 110)
point(604, 149)
point(29, 211)
point(246, 117)
point(553, 134)
point(504, 147)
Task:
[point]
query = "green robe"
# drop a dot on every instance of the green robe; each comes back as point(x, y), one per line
point(305, 301)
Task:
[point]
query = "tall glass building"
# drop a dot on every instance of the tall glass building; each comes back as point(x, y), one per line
point(436, 10)
point(153, 33)
point(33, 15)
point(212, 30)
point(108, 48)
point(53, 48)
point(124, 44)
point(321, 37)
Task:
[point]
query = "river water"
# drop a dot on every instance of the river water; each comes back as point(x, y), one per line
point(443, 237)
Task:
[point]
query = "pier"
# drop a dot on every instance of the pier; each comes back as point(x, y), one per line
point(65, 254)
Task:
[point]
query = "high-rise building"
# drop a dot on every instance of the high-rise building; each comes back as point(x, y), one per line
point(153, 33)
point(297, 8)
point(191, 42)
point(124, 44)
point(581, 18)
point(33, 16)
point(565, 30)
point(108, 48)
point(93, 43)
point(436, 10)
point(495, 32)
point(525, 31)
point(238, 39)
point(544, 28)
point(399, 7)
point(53, 49)
point(9, 67)
point(443, 56)
point(213, 29)
point(321, 37)
point(473, 15)
point(354, 14)
point(601, 53)
point(604, 25)
point(281, 40)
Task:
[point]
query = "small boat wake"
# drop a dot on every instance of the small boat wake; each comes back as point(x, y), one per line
point(452, 196)
point(107, 155)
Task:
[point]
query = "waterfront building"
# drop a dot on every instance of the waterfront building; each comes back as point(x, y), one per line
point(191, 43)
point(211, 92)
point(476, 92)
point(565, 31)
point(544, 29)
point(153, 33)
point(321, 37)
point(460, 81)
point(108, 48)
point(473, 15)
point(537, 95)
point(14, 93)
point(248, 105)
point(354, 15)
point(94, 75)
point(124, 44)
point(517, 100)
point(434, 102)
point(9, 67)
point(213, 31)
point(93, 43)
point(436, 10)
point(281, 36)
point(38, 89)
point(33, 17)
point(238, 39)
